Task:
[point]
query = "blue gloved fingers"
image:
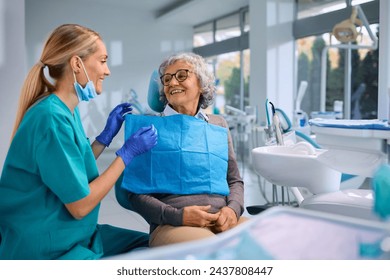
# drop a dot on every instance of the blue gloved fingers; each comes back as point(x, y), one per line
point(120, 110)
point(154, 129)
point(124, 108)
point(143, 130)
point(123, 105)
point(139, 142)
point(148, 134)
point(150, 137)
point(114, 123)
point(151, 129)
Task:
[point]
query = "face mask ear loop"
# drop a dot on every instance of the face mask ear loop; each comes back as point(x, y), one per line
point(74, 76)
point(85, 71)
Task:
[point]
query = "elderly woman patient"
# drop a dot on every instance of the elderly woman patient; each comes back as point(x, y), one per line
point(187, 88)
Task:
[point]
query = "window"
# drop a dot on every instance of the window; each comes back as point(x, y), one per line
point(228, 27)
point(226, 49)
point(228, 70)
point(360, 88)
point(246, 21)
point(313, 8)
point(203, 35)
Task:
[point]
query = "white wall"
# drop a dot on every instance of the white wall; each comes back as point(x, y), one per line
point(12, 67)
point(135, 41)
point(272, 55)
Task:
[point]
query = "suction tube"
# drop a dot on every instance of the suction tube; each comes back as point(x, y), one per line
point(277, 126)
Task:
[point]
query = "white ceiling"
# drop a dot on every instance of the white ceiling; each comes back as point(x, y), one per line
point(143, 5)
point(198, 11)
point(191, 12)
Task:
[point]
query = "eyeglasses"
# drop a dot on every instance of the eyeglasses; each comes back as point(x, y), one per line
point(181, 75)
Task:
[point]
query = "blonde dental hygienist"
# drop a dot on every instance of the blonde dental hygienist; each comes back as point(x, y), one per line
point(50, 188)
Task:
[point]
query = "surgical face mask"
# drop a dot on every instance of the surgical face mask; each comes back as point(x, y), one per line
point(88, 92)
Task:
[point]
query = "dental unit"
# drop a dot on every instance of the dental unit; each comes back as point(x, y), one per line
point(348, 147)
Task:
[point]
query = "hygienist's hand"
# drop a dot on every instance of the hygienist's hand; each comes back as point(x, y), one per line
point(140, 142)
point(198, 216)
point(114, 123)
point(227, 219)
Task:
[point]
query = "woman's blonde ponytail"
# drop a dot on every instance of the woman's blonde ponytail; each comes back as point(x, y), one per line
point(33, 89)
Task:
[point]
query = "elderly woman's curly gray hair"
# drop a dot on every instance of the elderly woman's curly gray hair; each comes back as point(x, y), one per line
point(205, 76)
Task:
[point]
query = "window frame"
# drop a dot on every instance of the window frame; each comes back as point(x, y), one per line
point(324, 23)
point(320, 24)
point(235, 44)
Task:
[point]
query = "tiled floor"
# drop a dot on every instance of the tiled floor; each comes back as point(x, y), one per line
point(112, 213)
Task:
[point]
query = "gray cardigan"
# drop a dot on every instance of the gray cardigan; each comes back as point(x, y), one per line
point(158, 209)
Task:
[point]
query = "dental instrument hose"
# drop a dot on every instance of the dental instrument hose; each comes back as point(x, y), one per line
point(277, 126)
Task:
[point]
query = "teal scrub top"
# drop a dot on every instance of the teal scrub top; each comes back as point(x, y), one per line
point(49, 163)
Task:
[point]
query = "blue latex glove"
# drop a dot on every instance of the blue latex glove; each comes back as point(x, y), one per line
point(114, 123)
point(140, 142)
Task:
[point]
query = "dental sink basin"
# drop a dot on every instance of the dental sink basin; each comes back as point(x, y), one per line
point(297, 165)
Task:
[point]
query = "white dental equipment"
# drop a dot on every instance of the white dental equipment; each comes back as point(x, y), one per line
point(355, 146)
point(352, 147)
point(276, 133)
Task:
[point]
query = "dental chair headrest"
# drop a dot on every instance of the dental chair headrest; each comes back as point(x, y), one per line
point(153, 93)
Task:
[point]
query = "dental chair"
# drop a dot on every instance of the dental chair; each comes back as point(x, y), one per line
point(348, 150)
point(153, 93)
point(157, 106)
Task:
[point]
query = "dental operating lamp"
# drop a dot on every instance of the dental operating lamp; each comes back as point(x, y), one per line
point(346, 33)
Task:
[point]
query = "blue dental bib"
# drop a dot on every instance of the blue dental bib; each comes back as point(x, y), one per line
point(191, 157)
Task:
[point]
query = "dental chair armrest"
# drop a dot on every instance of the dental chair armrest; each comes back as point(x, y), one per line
point(122, 195)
